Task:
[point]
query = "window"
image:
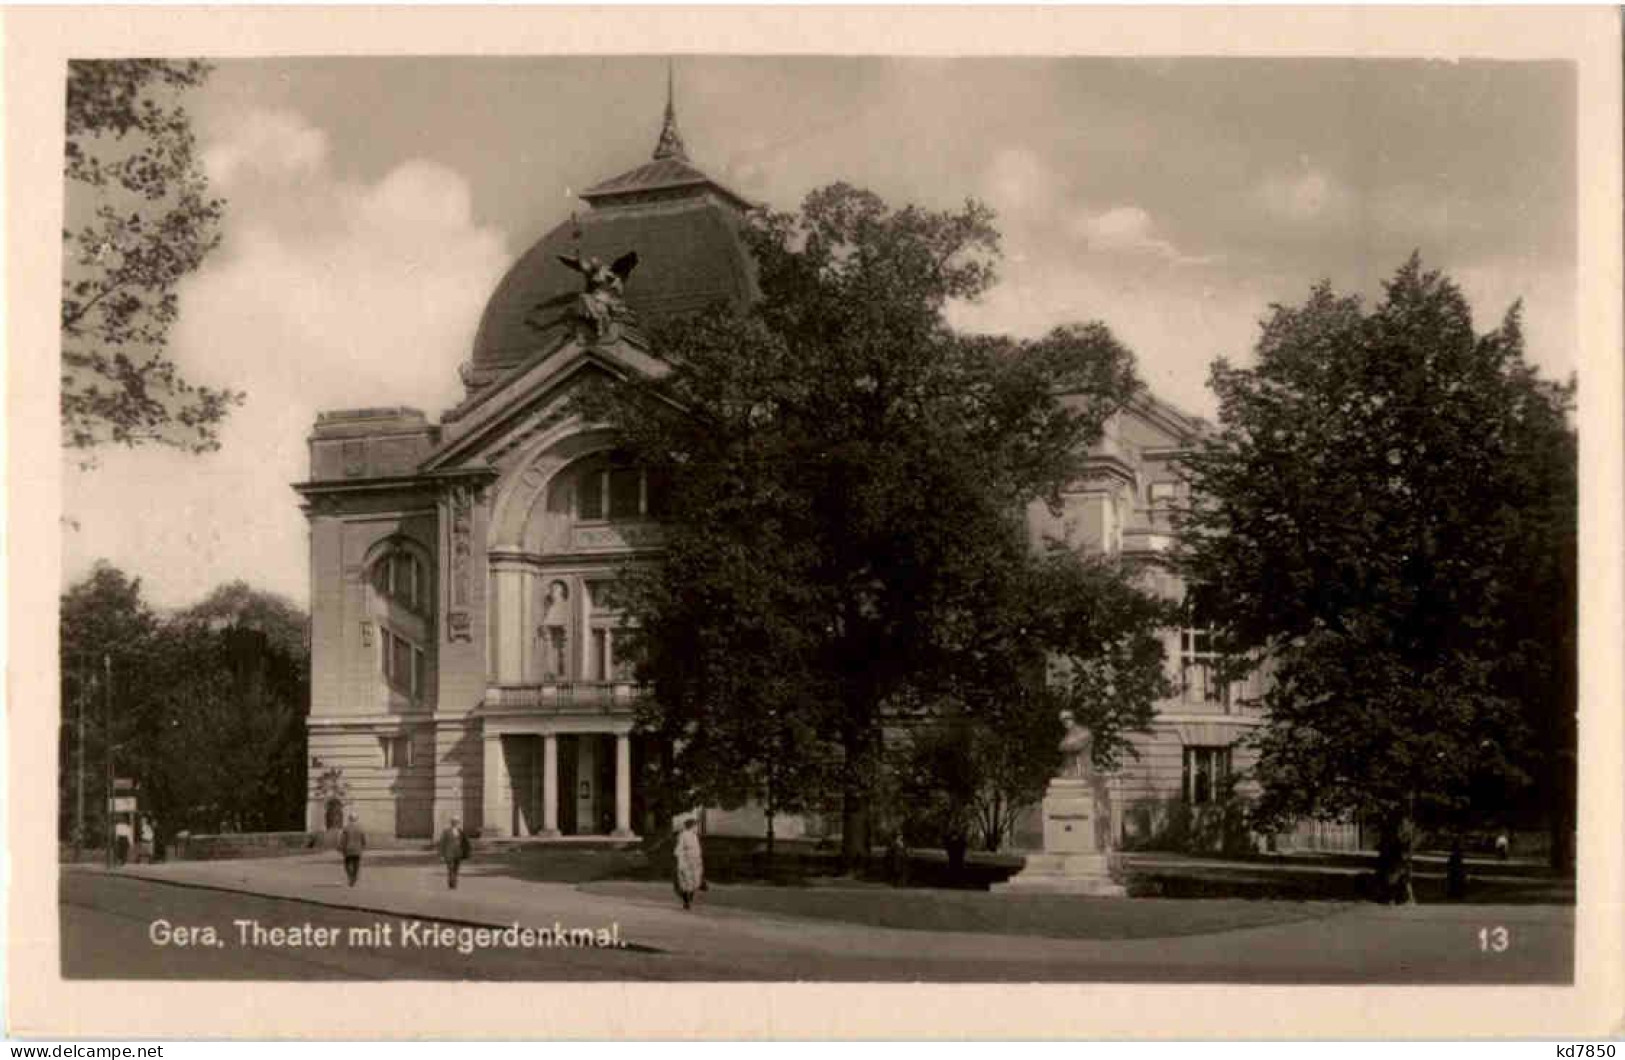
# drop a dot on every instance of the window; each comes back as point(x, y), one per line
point(397, 751)
point(592, 494)
point(1206, 774)
point(625, 493)
point(608, 490)
point(403, 663)
point(1198, 668)
point(403, 578)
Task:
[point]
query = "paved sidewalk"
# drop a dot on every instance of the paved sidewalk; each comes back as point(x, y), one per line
point(1354, 943)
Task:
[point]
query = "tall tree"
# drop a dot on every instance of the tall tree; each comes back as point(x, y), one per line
point(848, 478)
point(1387, 515)
point(205, 710)
point(106, 629)
point(139, 220)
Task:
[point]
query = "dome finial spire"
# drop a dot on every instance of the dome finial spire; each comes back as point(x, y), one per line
point(671, 141)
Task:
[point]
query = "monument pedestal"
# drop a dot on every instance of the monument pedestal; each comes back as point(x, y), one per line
point(1072, 861)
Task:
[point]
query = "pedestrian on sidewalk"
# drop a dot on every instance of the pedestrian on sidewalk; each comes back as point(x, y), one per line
point(690, 865)
point(454, 850)
point(352, 841)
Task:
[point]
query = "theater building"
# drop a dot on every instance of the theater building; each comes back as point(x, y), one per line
point(463, 632)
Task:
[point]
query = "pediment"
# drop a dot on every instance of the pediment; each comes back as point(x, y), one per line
point(1149, 423)
point(535, 397)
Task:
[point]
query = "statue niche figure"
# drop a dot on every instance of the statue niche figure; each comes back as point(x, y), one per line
point(601, 307)
point(1077, 749)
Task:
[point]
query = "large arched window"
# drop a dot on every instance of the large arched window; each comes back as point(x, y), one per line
point(402, 606)
point(401, 576)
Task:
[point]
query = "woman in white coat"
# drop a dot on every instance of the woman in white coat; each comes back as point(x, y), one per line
point(690, 866)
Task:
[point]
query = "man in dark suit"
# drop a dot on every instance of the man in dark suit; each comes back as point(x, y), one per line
point(454, 849)
point(352, 841)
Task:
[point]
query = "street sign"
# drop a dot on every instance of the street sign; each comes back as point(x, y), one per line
point(124, 784)
point(123, 803)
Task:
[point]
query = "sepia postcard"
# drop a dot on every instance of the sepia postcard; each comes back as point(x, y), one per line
point(814, 522)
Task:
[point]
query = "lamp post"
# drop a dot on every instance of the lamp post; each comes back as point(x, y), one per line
point(79, 812)
point(107, 728)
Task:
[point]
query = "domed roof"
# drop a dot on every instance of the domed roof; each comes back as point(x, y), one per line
point(684, 227)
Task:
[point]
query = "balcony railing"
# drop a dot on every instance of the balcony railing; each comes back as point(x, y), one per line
point(608, 697)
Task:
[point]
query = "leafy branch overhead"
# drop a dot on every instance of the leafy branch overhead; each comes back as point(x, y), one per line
point(139, 220)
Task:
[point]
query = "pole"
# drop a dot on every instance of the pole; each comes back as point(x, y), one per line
point(79, 814)
point(107, 729)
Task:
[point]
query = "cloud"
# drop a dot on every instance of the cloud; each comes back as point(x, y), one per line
point(326, 293)
point(1548, 294)
point(272, 143)
point(1304, 196)
point(1018, 183)
point(1128, 230)
point(1175, 321)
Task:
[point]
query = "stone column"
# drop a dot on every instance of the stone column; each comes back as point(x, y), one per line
point(498, 803)
point(510, 633)
point(550, 784)
point(526, 627)
point(623, 785)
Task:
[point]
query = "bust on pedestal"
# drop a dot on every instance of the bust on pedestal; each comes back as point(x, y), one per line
point(1074, 860)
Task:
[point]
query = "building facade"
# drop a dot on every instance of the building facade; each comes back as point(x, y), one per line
point(463, 621)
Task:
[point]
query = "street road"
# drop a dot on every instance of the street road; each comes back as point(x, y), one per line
point(108, 923)
point(110, 929)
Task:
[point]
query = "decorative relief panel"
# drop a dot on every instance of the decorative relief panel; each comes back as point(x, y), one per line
point(542, 419)
point(615, 536)
point(461, 498)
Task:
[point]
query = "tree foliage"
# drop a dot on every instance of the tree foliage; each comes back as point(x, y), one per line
point(103, 620)
point(848, 477)
point(1387, 515)
point(139, 220)
point(206, 707)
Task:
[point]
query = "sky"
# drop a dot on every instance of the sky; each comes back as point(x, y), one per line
point(374, 204)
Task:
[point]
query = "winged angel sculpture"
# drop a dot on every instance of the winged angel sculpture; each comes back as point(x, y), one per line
point(602, 304)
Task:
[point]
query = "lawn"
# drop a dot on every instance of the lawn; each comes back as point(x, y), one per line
point(1050, 915)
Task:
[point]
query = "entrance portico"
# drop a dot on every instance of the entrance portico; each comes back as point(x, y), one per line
point(555, 775)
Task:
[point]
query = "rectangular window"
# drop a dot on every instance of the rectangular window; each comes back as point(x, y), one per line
point(620, 667)
point(1206, 774)
point(403, 663)
point(592, 495)
point(397, 751)
point(1198, 668)
point(625, 493)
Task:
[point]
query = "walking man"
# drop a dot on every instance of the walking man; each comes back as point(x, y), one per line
point(454, 849)
point(352, 841)
point(690, 867)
